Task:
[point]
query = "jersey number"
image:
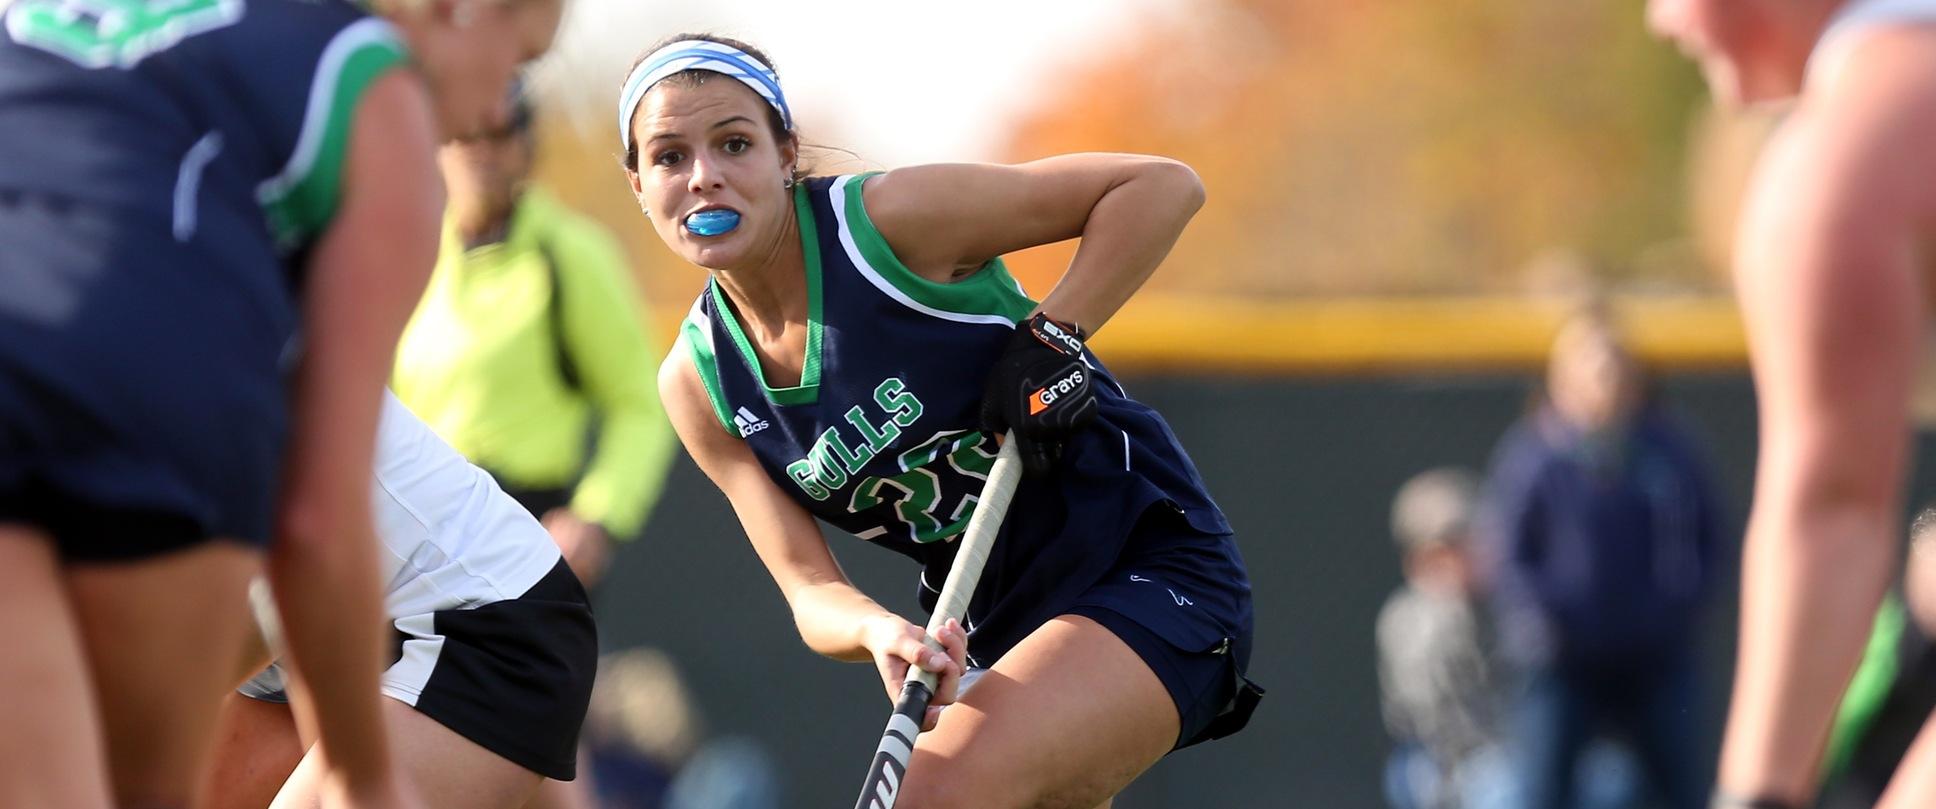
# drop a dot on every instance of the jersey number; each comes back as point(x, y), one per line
point(115, 33)
point(920, 486)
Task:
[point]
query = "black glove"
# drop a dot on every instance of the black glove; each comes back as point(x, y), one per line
point(1041, 389)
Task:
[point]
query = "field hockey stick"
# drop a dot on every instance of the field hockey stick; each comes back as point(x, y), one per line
point(897, 742)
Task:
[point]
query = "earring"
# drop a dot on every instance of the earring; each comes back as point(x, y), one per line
point(786, 183)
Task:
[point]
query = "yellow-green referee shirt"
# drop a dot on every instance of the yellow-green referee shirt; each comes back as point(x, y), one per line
point(480, 364)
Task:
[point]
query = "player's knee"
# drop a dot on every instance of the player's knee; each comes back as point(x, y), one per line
point(947, 785)
point(946, 782)
point(930, 791)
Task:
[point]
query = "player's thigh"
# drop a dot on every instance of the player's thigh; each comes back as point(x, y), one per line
point(448, 770)
point(1914, 785)
point(256, 748)
point(578, 793)
point(1065, 720)
point(162, 636)
point(564, 794)
point(49, 726)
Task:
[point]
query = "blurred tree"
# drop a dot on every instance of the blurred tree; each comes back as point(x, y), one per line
point(1393, 146)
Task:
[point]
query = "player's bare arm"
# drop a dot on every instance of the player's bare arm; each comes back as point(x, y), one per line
point(1832, 281)
point(834, 618)
point(947, 220)
point(361, 291)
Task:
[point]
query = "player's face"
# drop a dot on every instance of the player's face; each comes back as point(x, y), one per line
point(1749, 50)
point(709, 147)
point(471, 52)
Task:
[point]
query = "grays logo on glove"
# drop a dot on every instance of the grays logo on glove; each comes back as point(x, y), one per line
point(1042, 389)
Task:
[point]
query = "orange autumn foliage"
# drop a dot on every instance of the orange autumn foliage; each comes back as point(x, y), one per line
point(1393, 146)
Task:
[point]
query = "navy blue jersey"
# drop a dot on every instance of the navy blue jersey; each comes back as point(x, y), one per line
point(881, 436)
point(165, 165)
point(224, 118)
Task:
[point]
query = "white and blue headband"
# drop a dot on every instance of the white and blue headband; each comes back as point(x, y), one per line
point(699, 54)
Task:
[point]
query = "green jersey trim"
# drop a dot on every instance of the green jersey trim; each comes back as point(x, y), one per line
point(989, 295)
point(301, 199)
point(808, 391)
point(697, 334)
point(1869, 687)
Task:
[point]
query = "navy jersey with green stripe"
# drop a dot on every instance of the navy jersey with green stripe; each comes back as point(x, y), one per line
point(881, 436)
point(165, 166)
point(220, 117)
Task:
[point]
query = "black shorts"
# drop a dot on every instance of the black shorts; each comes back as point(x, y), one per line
point(513, 676)
point(1181, 600)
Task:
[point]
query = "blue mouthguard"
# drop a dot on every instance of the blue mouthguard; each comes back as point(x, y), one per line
point(713, 222)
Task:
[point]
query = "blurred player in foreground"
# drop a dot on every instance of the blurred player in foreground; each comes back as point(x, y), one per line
point(1894, 691)
point(857, 351)
point(1832, 268)
point(216, 217)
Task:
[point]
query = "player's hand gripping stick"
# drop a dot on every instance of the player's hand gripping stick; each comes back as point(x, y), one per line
point(897, 742)
point(1041, 389)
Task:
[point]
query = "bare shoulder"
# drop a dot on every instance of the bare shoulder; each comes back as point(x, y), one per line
point(393, 118)
point(911, 191)
point(698, 419)
point(947, 218)
point(682, 391)
point(1872, 119)
point(912, 207)
point(1852, 169)
point(390, 187)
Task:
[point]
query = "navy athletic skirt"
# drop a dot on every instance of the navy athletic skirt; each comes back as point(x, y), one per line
point(1181, 599)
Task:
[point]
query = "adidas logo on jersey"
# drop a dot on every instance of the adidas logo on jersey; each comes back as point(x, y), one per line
point(748, 423)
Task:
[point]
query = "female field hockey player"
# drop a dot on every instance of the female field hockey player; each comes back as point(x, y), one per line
point(216, 216)
point(496, 650)
point(857, 350)
point(1832, 265)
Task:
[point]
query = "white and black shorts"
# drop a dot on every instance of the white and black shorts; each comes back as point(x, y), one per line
point(514, 676)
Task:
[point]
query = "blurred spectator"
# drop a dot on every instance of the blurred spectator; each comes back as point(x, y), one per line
point(1894, 690)
point(1603, 532)
point(647, 746)
point(528, 353)
point(1439, 694)
point(730, 773)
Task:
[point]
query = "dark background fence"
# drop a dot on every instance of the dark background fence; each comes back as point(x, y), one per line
point(1305, 468)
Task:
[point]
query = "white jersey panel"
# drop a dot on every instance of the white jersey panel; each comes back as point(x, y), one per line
point(452, 538)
